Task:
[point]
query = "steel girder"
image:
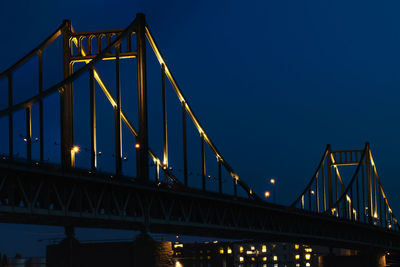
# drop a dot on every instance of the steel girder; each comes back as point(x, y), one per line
point(32, 195)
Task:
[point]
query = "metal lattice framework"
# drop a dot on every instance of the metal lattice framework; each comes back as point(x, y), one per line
point(36, 192)
point(362, 199)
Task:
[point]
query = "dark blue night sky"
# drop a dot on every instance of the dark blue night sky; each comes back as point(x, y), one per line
point(272, 82)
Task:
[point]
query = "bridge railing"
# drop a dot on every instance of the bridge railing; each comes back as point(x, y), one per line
point(90, 48)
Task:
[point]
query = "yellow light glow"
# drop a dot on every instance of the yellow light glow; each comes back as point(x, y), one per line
point(372, 160)
point(252, 248)
point(308, 264)
point(241, 259)
point(253, 259)
point(264, 258)
point(264, 248)
point(75, 149)
point(249, 252)
point(307, 256)
point(275, 258)
point(297, 257)
point(137, 145)
point(272, 181)
point(267, 194)
point(221, 251)
point(312, 192)
point(229, 251)
point(296, 246)
point(178, 245)
point(240, 249)
point(308, 250)
point(178, 264)
point(390, 226)
point(215, 242)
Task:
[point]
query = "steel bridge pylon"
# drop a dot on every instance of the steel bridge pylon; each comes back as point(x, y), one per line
point(70, 38)
point(361, 199)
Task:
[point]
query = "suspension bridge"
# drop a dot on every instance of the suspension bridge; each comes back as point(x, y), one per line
point(352, 213)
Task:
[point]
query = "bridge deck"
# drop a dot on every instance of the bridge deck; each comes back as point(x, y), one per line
point(34, 195)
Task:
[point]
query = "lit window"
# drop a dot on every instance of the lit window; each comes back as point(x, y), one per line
point(308, 250)
point(249, 252)
point(253, 259)
point(252, 248)
point(240, 249)
point(275, 258)
point(229, 251)
point(241, 259)
point(177, 245)
point(308, 264)
point(297, 264)
point(208, 257)
point(296, 246)
point(264, 265)
point(276, 265)
point(307, 256)
point(264, 258)
point(178, 264)
point(264, 248)
point(297, 257)
point(221, 251)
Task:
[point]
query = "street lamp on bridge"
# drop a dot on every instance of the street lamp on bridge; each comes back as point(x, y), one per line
point(273, 181)
point(75, 150)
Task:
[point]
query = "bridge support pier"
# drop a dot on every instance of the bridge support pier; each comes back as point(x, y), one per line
point(364, 258)
point(151, 253)
point(66, 254)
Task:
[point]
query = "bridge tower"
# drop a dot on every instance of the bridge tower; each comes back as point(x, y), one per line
point(66, 101)
point(142, 139)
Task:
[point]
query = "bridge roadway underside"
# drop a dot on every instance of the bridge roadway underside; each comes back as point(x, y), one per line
point(32, 195)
